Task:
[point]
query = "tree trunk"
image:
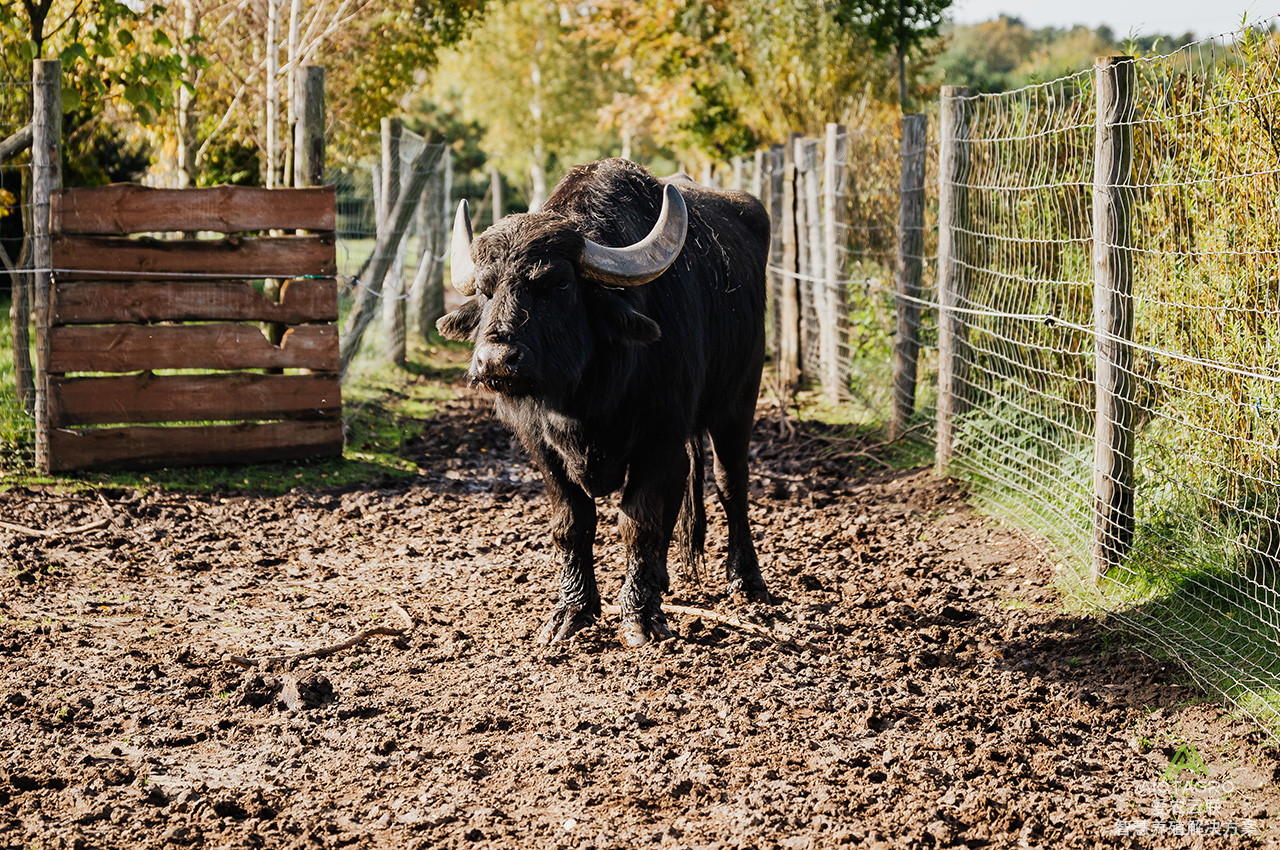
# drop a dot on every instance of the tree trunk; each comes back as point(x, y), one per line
point(273, 89)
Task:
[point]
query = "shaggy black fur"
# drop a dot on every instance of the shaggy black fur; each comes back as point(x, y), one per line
point(610, 388)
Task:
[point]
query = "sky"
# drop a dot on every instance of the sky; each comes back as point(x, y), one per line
point(1143, 17)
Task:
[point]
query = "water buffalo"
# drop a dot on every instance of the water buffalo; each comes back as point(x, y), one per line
point(617, 326)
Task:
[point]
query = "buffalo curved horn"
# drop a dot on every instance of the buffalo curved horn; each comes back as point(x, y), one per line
point(648, 258)
point(462, 271)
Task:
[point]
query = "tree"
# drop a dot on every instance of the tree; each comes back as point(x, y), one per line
point(720, 77)
point(899, 26)
point(535, 90)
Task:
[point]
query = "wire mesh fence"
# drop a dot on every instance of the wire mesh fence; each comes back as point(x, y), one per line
point(17, 431)
point(1097, 321)
point(392, 190)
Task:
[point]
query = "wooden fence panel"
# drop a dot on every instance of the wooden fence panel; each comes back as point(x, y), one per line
point(111, 292)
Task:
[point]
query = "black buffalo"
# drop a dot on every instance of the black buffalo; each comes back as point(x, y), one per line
point(617, 326)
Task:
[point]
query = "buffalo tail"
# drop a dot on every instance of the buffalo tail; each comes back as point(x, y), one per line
point(691, 527)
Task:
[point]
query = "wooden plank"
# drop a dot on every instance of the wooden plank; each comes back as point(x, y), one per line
point(146, 446)
point(184, 398)
point(131, 348)
point(99, 257)
point(102, 302)
point(127, 208)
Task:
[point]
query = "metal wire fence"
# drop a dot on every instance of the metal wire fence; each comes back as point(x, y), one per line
point(392, 190)
point(1098, 306)
point(17, 429)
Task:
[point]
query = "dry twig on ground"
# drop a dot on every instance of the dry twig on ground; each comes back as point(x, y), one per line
point(333, 649)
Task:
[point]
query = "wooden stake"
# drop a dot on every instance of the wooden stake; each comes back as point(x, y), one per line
point(46, 176)
point(953, 161)
point(835, 306)
point(1113, 521)
point(910, 266)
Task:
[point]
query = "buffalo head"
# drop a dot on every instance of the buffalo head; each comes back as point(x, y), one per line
point(546, 297)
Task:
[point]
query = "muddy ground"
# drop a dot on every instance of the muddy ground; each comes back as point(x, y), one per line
point(918, 683)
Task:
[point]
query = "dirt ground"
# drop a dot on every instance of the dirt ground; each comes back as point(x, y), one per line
point(918, 683)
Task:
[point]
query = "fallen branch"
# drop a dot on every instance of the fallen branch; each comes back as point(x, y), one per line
point(706, 614)
point(53, 532)
point(326, 651)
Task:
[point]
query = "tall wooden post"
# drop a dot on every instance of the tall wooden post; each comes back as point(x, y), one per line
point(1113, 520)
point(910, 266)
point(46, 177)
point(309, 162)
point(953, 167)
point(788, 291)
point(739, 178)
point(428, 280)
point(757, 175)
point(495, 191)
point(835, 305)
point(393, 306)
point(777, 177)
point(814, 259)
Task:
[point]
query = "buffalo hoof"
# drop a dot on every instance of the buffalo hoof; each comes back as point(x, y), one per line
point(565, 622)
point(644, 629)
point(750, 589)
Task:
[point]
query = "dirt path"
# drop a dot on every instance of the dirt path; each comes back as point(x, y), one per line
point(922, 687)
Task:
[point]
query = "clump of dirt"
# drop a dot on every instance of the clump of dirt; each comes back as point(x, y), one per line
point(917, 684)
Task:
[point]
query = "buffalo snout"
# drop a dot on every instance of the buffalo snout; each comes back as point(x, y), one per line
point(497, 365)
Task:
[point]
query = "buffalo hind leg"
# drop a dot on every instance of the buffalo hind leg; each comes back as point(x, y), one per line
point(650, 506)
point(730, 440)
point(573, 530)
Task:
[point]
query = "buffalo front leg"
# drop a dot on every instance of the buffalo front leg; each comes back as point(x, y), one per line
point(650, 506)
point(573, 531)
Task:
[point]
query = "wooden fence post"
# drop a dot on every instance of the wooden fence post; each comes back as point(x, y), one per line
point(777, 176)
point(788, 291)
point(910, 267)
point(835, 378)
point(309, 160)
point(739, 178)
point(393, 306)
point(953, 159)
point(757, 176)
point(428, 279)
point(815, 251)
point(495, 184)
point(46, 177)
point(1113, 519)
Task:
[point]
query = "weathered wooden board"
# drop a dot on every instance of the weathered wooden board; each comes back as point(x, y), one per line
point(131, 348)
point(127, 208)
point(144, 446)
point(101, 302)
point(114, 257)
point(182, 398)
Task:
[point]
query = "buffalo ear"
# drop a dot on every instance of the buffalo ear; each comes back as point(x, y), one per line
point(461, 324)
point(630, 325)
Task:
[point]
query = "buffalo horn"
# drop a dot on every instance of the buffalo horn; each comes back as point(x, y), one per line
point(648, 258)
point(462, 272)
